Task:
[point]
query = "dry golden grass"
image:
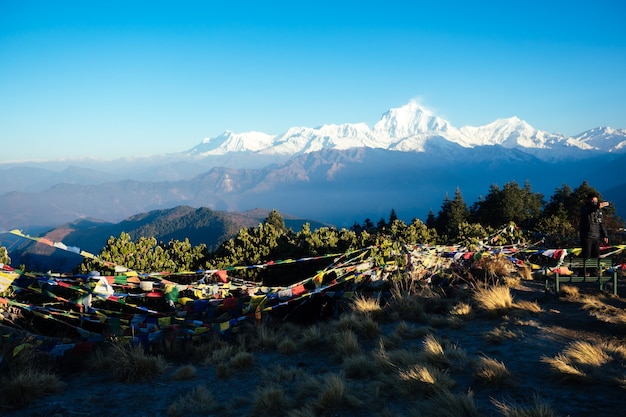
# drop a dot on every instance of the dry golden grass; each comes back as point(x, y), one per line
point(462, 310)
point(493, 372)
point(185, 372)
point(199, 401)
point(602, 361)
point(433, 349)
point(603, 311)
point(495, 266)
point(569, 291)
point(563, 366)
point(499, 335)
point(422, 379)
point(616, 350)
point(511, 281)
point(524, 306)
point(495, 300)
point(585, 362)
point(443, 403)
point(586, 354)
point(367, 305)
point(442, 354)
point(28, 385)
point(525, 272)
point(537, 408)
point(132, 364)
point(414, 370)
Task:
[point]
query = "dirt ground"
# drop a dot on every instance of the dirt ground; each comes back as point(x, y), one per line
point(537, 336)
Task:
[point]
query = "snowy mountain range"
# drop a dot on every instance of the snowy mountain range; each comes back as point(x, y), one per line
point(409, 129)
point(336, 173)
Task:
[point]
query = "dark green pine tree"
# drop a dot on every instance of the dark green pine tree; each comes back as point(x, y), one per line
point(509, 204)
point(452, 214)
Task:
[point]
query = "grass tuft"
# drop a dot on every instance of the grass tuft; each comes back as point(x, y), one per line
point(586, 354)
point(423, 379)
point(537, 408)
point(360, 366)
point(312, 336)
point(220, 354)
point(563, 366)
point(406, 330)
point(222, 371)
point(462, 310)
point(346, 343)
point(185, 372)
point(132, 364)
point(287, 346)
point(499, 335)
point(334, 395)
point(496, 300)
point(493, 372)
point(199, 401)
point(446, 404)
point(271, 401)
point(528, 306)
point(241, 360)
point(367, 305)
point(28, 385)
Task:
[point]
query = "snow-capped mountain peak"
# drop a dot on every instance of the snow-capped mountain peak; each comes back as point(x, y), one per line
point(233, 142)
point(510, 132)
point(606, 139)
point(408, 120)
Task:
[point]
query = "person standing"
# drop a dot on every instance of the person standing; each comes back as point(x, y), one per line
point(592, 229)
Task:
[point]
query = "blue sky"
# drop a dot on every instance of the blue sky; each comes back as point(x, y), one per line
point(109, 79)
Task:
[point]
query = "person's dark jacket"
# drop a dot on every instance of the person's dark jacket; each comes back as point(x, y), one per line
point(592, 222)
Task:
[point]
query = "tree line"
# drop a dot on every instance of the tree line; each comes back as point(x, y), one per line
point(517, 213)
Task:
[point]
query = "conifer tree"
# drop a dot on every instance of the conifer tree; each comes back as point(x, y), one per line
point(452, 214)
